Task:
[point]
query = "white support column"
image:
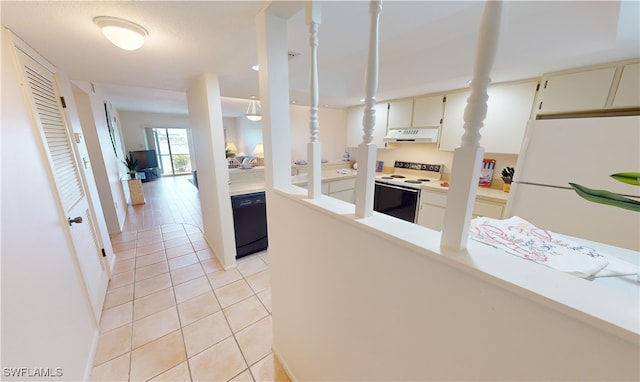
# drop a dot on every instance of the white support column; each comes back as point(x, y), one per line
point(467, 159)
point(314, 149)
point(271, 28)
point(367, 149)
point(205, 118)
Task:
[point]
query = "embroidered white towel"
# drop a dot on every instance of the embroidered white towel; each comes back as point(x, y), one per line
point(521, 238)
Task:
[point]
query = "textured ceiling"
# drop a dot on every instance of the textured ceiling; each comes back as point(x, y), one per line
point(426, 46)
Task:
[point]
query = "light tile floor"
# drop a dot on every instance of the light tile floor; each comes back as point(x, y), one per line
point(171, 312)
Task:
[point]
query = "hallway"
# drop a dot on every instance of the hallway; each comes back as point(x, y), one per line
point(169, 200)
point(171, 312)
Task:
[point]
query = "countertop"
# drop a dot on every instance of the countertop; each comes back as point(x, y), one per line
point(326, 176)
point(239, 187)
point(257, 185)
point(484, 193)
point(248, 187)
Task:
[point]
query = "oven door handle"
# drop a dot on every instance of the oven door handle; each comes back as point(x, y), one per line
point(415, 191)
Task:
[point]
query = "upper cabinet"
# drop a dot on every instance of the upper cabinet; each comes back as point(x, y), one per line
point(587, 90)
point(628, 91)
point(597, 88)
point(508, 111)
point(400, 113)
point(510, 106)
point(427, 111)
point(452, 121)
point(354, 125)
point(416, 112)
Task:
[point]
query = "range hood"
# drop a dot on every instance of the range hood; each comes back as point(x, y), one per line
point(420, 135)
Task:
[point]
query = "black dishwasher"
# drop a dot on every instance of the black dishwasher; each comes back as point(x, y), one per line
point(250, 223)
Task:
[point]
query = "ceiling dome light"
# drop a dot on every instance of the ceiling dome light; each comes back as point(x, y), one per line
point(122, 33)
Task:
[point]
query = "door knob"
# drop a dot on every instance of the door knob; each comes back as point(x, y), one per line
point(77, 219)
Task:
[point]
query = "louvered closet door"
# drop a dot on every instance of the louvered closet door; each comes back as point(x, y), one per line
point(41, 87)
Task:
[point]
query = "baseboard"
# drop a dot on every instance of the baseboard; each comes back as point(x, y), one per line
point(92, 356)
point(286, 368)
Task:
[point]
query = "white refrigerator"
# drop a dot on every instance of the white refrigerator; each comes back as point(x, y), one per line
point(585, 151)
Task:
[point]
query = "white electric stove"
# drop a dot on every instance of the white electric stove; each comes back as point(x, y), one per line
point(411, 174)
point(398, 194)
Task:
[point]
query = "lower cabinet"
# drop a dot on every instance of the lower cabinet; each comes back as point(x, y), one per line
point(343, 189)
point(433, 204)
point(431, 210)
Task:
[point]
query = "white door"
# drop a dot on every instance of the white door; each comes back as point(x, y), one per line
point(42, 90)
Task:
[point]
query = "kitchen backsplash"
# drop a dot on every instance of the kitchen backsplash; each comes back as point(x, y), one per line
point(429, 153)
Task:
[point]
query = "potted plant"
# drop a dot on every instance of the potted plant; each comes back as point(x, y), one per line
point(131, 164)
point(612, 198)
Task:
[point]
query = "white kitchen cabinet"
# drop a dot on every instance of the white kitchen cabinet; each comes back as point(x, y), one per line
point(343, 189)
point(488, 209)
point(400, 113)
point(434, 203)
point(431, 210)
point(452, 121)
point(354, 125)
point(427, 111)
point(508, 111)
point(577, 91)
point(348, 196)
point(628, 91)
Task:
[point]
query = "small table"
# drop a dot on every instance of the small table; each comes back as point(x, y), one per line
point(135, 189)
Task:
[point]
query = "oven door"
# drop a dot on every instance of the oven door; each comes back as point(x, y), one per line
point(397, 201)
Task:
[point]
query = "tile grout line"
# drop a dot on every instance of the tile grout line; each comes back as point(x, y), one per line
point(152, 216)
point(132, 304)
point(184, 344)
point(227, 321)
point(135, 277)
point(133, 298)
point(248, 368)
point(268, 314)
point(175, 306)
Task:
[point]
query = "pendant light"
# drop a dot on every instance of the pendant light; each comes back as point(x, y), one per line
point(122, 33)
point(253, 111)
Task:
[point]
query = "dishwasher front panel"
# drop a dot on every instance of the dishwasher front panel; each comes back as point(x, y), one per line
point(250, 223)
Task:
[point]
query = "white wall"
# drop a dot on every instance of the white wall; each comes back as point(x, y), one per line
point(105, 165)
point(230, 131)
point(205, 117)
point(332, 135)
point(429, 153)
point(352, 303)
point(248, 134)
point(46, 314)
point(333, 123)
